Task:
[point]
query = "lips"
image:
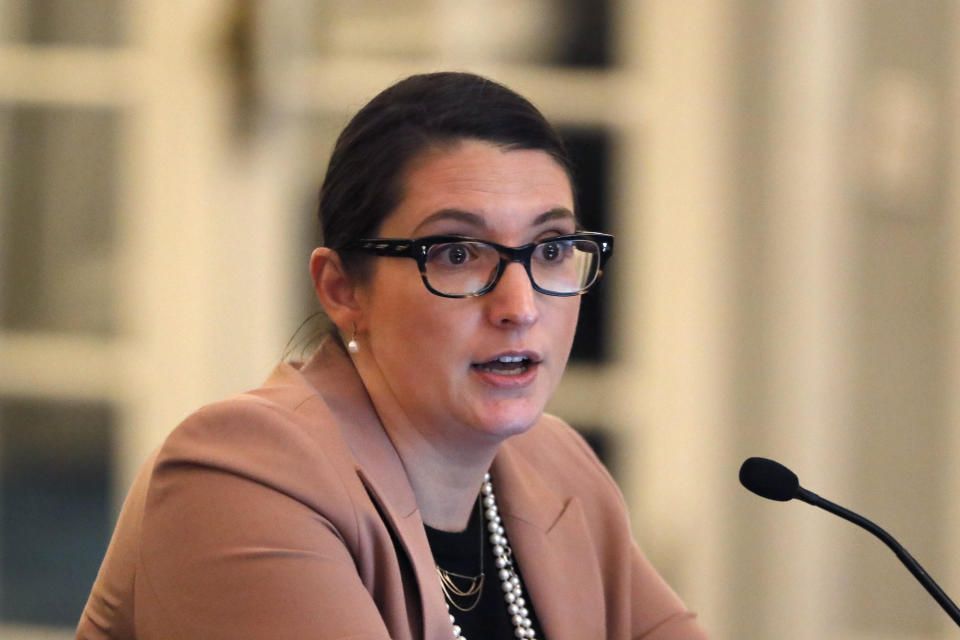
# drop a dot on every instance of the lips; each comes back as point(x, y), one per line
point(513, 363)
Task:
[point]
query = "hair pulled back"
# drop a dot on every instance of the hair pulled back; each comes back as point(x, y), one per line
point(363, 183)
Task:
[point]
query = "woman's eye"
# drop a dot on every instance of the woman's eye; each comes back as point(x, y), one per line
point(456, 255)
point(451, 254)
point(552, 251)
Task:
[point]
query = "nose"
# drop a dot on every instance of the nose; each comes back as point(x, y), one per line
point(512, 302)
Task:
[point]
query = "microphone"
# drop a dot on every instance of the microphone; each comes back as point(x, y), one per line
point(772, 480)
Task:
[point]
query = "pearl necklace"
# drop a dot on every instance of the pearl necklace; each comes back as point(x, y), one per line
point(503, 558)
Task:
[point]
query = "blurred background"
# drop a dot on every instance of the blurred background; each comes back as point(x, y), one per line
point(783, 177)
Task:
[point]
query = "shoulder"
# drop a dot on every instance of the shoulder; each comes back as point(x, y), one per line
point(278, 436)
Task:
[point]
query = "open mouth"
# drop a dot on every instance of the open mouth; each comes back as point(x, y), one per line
point(507, 365)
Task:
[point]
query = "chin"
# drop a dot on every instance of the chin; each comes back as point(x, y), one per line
point(505, 421)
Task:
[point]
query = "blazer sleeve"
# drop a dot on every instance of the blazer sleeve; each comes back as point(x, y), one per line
point(225, 556)
point(107, 615)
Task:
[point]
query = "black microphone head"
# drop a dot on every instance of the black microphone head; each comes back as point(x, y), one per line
point(769, 479)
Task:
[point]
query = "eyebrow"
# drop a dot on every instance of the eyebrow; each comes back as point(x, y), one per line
point(557, 213)
point(474, 220)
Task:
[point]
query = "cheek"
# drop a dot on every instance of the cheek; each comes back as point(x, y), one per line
point(566, 327)
point(406, 320)
point(567, 313)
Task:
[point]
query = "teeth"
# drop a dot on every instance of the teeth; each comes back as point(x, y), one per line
point(509, 372)
point(508, 359)
point(505, 369)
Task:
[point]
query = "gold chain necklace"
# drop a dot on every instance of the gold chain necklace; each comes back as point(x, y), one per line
point(468, 586)
point(451, 589)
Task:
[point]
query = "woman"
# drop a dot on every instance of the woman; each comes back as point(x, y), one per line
point(404, 482)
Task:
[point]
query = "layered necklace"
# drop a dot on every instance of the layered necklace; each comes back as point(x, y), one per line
point(503, 559)
point(472, 590)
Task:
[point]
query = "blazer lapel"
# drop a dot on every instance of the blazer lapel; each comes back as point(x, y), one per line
point(435, 620)
point(551, 542)
point(382, 473)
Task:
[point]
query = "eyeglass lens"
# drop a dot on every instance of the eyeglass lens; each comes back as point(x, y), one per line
point(462, 268)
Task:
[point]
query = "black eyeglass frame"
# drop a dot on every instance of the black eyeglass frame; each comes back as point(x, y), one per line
point(419, 250)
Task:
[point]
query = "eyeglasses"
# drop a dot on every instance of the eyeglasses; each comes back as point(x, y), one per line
point(459, 267)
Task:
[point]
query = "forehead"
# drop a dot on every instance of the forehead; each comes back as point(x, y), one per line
point(508, 189)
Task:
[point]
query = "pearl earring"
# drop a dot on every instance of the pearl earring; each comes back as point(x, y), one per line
point(352, 346)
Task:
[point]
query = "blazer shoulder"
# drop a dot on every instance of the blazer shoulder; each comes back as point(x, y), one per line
point(284, 438)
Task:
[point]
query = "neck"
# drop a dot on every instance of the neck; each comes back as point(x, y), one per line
point(446, 484)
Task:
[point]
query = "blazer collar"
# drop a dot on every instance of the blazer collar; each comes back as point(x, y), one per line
point(522, 492)
point(336, 386)
point(552, 542)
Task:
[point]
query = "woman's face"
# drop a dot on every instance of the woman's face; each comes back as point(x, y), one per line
point(437, 356)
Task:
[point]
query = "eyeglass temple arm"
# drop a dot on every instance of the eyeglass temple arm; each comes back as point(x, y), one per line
point(386, 247)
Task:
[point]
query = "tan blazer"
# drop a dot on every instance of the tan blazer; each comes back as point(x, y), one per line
point(278, 514)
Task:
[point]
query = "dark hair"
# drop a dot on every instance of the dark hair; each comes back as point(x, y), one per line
point(364, 180)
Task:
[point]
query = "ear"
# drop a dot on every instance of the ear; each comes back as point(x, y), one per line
point(335, 289)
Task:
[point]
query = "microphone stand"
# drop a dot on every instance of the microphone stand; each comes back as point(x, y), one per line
point(918, 572)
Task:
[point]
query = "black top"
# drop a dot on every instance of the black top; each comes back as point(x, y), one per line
point(460, 553)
